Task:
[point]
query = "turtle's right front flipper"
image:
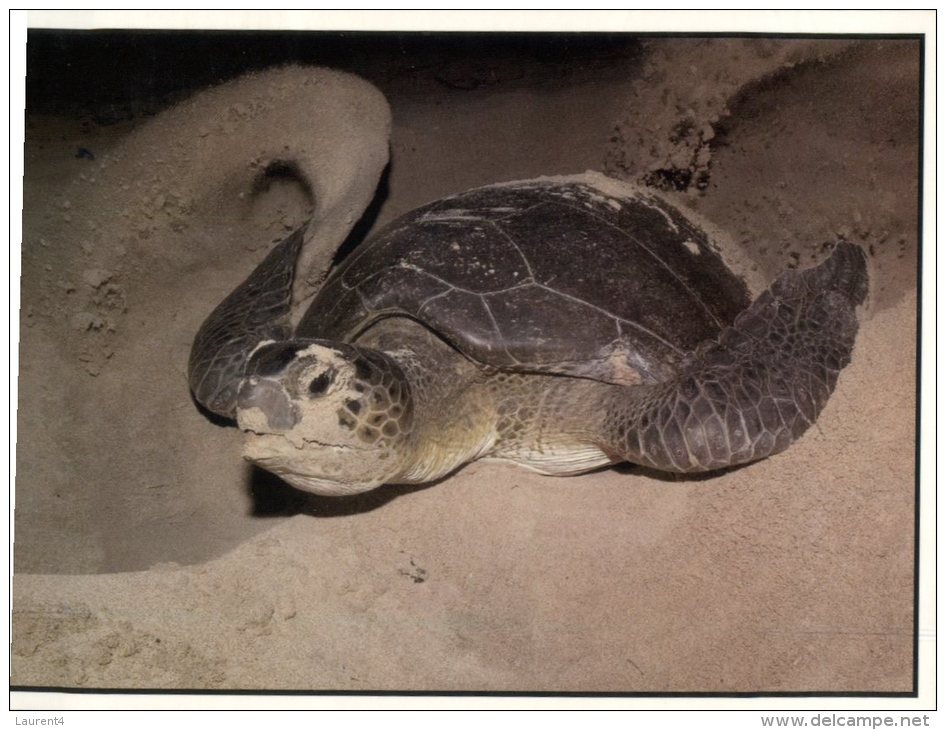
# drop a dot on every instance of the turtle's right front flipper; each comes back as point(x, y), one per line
point(256, 311)
point(757, 388)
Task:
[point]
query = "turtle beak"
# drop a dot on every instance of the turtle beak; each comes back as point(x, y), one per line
point(270, 397)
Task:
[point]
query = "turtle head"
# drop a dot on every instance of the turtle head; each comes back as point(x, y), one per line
point(327, 417)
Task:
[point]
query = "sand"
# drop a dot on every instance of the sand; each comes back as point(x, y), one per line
point(148, 555)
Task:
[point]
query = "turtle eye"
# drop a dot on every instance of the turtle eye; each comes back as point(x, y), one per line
point(320, 383)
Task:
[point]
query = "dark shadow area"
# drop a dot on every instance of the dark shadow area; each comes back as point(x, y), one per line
point(116, 75)
point(216, 420)
point(285, 171)
point(272, 497)
point(361, 229)
point(666, 476)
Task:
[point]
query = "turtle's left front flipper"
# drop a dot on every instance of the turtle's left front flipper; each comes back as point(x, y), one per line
point(257, 310)
point(757, 388)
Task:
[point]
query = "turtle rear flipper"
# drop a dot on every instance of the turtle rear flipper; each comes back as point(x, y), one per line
point(257, 310)
point(762, 383)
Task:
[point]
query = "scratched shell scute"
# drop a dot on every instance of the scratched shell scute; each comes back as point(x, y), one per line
point(548, 276)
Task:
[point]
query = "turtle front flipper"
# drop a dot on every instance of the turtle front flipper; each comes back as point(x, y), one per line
point(760, 386)
point(256, 311)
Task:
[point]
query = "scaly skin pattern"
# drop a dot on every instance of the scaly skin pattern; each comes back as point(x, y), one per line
point(547, 423)
point(550, 424)
point(453, 411)
point(256, 311)
point(756, 389)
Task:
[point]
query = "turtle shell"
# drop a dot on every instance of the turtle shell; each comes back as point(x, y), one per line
point(578, 275)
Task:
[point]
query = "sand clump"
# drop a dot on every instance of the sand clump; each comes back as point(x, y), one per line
point(149, 555)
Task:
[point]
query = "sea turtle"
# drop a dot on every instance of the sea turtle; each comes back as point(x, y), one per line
point(560, 323)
